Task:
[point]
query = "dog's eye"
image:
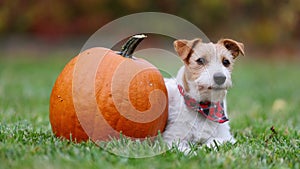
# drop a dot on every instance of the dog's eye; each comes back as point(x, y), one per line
point(226, 62)
point(201, 61)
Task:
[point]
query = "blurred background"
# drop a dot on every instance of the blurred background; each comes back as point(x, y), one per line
point(39, 37)
point(268, 28)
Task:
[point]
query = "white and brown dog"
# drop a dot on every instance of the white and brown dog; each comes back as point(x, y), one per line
point(197, 97)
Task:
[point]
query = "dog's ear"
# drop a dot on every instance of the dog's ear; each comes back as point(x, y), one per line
point(184, 48)
point(233, 46)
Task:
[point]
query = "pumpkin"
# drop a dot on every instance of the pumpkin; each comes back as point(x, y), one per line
point(101, 93)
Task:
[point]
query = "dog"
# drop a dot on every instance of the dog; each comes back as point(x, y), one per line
point(197, 97)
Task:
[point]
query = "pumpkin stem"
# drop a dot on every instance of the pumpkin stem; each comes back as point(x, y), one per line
point(129, 47)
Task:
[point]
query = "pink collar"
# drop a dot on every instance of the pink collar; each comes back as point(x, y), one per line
point(212, 111)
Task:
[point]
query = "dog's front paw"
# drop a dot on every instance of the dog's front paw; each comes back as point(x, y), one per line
point(185, 148)
point(215, 142)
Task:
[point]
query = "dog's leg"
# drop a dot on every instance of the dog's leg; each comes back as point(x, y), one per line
point(221, 136)
point(176, 137)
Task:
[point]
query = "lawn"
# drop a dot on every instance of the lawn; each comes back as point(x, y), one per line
point(263, 107)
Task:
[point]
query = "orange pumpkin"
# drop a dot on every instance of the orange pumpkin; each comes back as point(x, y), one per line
point(101, 93)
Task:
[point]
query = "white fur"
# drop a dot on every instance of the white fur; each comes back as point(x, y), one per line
point(186, 126)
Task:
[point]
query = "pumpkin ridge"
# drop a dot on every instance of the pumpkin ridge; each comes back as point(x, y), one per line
point(104, 118)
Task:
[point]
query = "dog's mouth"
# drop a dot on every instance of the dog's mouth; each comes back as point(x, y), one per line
point(216, 88)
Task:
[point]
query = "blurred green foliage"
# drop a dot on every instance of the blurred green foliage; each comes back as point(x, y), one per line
point(263, 22)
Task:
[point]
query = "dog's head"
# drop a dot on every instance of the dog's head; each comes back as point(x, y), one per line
point(208, 66)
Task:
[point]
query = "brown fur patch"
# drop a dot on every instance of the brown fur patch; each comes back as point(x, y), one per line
point(184, 48)
point(191, 50)
point(233, 46)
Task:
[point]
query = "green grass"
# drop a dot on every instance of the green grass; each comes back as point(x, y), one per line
point(265, 94)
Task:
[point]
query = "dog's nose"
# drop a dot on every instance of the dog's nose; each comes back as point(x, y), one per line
point(219, 78)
